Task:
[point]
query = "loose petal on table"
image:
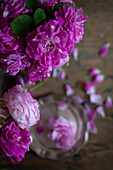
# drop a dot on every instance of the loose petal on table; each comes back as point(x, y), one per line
point(96, 99)
point(108, 102)
point(103, 51)
point(98, 78)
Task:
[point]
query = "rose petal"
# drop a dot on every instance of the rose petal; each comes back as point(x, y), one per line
point(90, 88)
point(62, 106)
point(78, 99)
point(68, 89)
point(98, 78)
point(92, 127)
point(103, 51)
point(91, 113)
point(75, 53)
point(59, 74)
point(96, 99)
point(94, 71)
point(108, 102)
point(100, 111)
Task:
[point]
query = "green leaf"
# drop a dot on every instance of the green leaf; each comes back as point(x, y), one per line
point(58, 5)
point(39, 17)
point(67, 64)
point(22, 25)
point(32, 4)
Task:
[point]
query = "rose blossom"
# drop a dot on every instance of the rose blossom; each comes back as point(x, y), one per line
point(50, 44)
point(11, 9)
point(22, 107)
point(13, 63)
point(37, 72)
point(9, 42)
point(14, 141)
point(63, 131)
point(72, 21)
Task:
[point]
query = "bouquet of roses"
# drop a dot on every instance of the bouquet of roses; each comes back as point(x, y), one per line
point(36, 36)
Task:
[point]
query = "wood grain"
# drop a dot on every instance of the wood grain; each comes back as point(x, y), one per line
point(98, 152)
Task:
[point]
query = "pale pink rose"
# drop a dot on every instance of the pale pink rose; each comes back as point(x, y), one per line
point(22, 107)
point(62, 131)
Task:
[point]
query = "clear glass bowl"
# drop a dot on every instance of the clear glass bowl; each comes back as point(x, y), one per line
point(46, 148)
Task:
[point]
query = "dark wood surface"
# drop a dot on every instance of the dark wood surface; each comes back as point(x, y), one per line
point(97, 154)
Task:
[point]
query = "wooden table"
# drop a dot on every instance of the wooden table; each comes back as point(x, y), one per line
point(98, 152)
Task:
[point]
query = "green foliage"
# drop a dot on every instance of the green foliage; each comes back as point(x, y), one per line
point(31, 4)
point(22, 25)
point(61, 4)
point(39, 17)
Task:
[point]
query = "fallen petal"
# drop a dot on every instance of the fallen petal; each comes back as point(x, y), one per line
point(75, 53)
point(78, 99)
point(59, 74)
point(94, 71)
point(68, 89)
point(96, 99)
point(62, 106)
point(90, 88)
point(91, 113)
point(92, 127)
point(108, 102)
point(103, 51)
point(98, 78)
point(100, 111)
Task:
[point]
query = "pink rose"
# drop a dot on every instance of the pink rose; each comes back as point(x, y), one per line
point(63, 131)
point(14, 141)
point(22, 107)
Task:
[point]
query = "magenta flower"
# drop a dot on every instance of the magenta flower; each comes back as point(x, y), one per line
point(37, 72)
point(9, 42)
point(11, 9)
point(103, 51)
point(75, 53)
point(50, 45)
point(98, 78)
point(96, 99)
point(14, 141)
point(62, 131)
point(90, 88)
point(108, 102)
point(13, 63)
point(22, 107)
point(100, 111)
point(94, 71)
point(68, 89)
point(72, 21)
